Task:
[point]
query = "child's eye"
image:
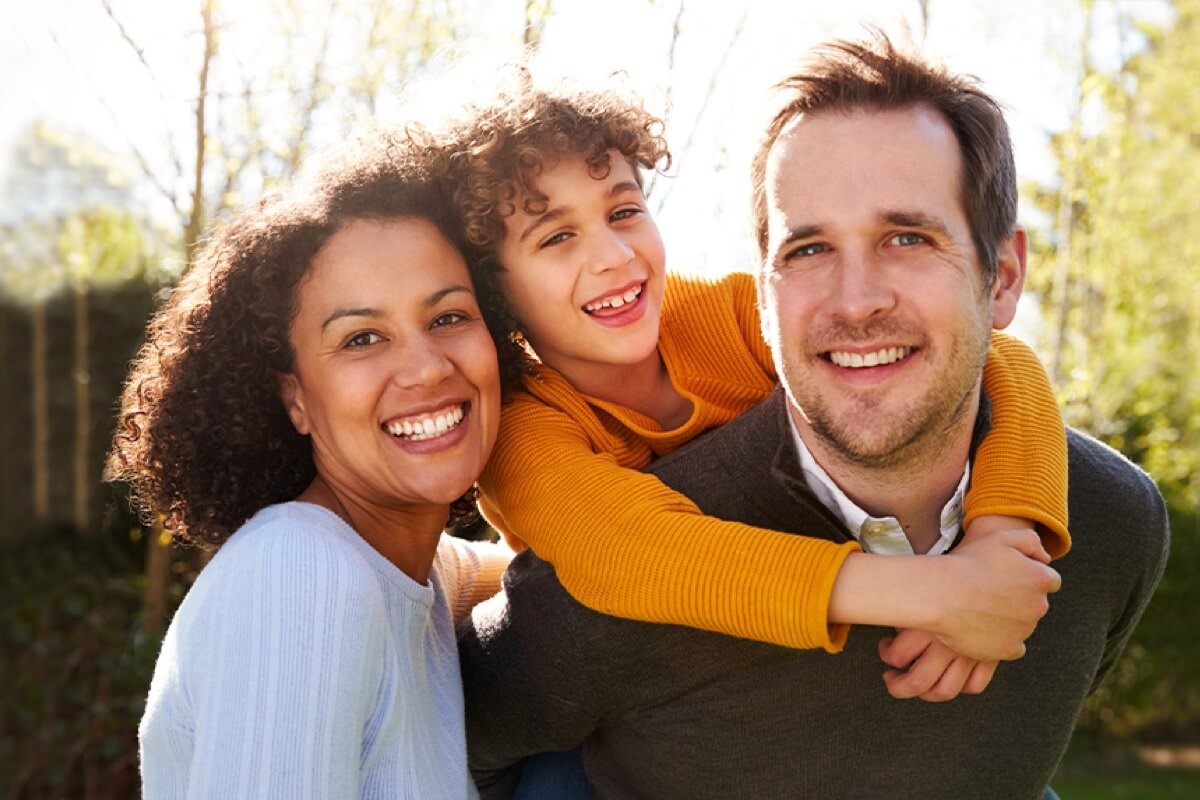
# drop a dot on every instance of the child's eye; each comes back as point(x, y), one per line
point(625, 213)
point(557, 238)
point(363, 339)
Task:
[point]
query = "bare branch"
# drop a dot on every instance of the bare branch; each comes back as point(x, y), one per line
point(141, 56)
point(143, 164)
point(191, 234)
point(315, 83)
point(712, 84)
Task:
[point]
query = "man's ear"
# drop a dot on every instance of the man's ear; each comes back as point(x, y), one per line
point(292, 397)
point(765, 320)
point(1010, 279)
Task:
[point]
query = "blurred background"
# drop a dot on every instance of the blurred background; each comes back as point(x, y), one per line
point(128, 126)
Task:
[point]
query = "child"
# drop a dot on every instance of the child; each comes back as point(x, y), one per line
point(632, 363)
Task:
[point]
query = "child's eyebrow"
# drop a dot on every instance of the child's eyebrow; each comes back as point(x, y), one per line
point(549, 216)
point(621, 187)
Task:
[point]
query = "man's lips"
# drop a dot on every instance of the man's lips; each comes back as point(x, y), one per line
point(873, 358)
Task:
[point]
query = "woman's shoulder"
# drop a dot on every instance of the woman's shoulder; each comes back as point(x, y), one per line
point(288, 550)
point(298, 532)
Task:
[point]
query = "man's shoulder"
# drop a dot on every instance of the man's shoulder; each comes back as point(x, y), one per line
point(1117, 513)
point(531, 582)
point(1106, 478)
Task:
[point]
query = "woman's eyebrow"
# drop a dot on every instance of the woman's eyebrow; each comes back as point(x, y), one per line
point(342, 313)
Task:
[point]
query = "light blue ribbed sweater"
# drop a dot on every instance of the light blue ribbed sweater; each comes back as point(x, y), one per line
point(303, 664)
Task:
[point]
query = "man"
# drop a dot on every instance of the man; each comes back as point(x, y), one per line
point(885, 205)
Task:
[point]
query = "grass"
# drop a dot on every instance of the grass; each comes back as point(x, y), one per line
point(1087, 775)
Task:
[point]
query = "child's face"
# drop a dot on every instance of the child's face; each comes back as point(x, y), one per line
point(585, 276)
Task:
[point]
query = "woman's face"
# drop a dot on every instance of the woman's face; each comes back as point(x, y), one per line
point(395, 377)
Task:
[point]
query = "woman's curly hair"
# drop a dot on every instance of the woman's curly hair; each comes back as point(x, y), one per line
point(495, 152)
point(202, 436)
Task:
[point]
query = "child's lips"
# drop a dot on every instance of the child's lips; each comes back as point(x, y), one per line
point(613, 302)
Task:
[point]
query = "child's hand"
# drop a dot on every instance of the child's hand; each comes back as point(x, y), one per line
point(982, 526)
point(928, 669)
point(992, 595)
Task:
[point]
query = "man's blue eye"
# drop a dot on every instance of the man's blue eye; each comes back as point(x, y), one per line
point(807, 250)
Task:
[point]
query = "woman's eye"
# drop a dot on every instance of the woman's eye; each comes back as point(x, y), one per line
point(449, 318)
point(363, 339)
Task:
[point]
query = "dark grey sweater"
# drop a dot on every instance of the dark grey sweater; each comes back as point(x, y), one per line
point(671, 712)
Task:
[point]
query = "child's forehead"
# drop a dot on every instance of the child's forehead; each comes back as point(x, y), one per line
point(574, 166)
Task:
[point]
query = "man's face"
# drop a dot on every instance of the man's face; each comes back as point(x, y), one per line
point(873, 299)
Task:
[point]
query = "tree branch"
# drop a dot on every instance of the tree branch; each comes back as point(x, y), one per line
point(143, 164)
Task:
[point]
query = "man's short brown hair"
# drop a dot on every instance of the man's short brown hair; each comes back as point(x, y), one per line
point(873, 74)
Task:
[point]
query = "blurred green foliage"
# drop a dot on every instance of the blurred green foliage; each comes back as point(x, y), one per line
point(76, 669)
point(1119, 279)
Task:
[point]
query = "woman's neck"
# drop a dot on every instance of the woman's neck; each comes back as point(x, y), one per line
point(406, 536)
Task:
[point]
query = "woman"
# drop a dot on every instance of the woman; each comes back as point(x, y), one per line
point(315, 397)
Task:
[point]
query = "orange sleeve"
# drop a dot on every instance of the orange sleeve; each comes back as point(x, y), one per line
point(624, 544)
point(1020, 469)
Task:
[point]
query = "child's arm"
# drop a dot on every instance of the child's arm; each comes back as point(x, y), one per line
point(1020, 469)
point(624, 544)
point(471, 572)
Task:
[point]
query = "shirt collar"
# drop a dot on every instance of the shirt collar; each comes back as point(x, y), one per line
point(882, 535)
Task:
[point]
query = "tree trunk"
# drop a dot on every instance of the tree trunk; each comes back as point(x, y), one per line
point(158, 553)
point(158, 575)
point(83, 412)
point(40, 398)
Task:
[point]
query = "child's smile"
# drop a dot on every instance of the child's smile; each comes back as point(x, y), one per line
point(584, 274)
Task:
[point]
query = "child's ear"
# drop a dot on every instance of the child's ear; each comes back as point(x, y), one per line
point(292, 397)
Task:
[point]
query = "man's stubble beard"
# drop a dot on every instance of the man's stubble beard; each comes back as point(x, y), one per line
point(912, 436)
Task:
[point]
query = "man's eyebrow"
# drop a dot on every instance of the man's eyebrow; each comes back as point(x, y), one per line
point(799, 232)
point(916, 219)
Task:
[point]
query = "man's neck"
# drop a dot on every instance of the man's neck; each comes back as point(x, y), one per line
point(913, 488)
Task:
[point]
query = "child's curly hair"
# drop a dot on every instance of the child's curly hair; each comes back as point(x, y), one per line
point(496, 151)
point(202, 436)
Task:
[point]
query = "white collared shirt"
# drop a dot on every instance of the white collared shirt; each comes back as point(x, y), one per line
point(882, 535)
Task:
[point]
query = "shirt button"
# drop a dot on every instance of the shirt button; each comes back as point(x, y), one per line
point(874, 529)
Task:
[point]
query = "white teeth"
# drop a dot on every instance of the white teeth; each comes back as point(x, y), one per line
point(616, 301)
point(427, 426)
point(888, 355)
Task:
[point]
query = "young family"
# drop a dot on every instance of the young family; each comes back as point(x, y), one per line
point(755, 516)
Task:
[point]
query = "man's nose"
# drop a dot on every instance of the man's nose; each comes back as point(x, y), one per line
point(863, 288)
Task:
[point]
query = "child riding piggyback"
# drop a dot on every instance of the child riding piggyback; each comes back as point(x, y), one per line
point(629, 362)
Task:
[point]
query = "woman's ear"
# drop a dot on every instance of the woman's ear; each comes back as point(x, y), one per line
point(292, 397)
